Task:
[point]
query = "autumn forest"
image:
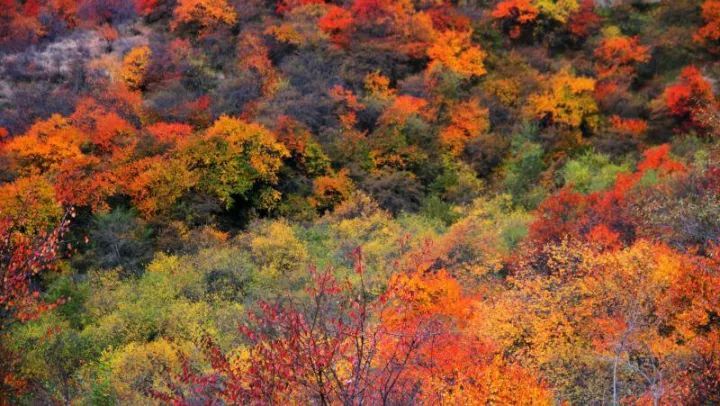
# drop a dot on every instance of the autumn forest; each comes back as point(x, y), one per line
point(359, 202)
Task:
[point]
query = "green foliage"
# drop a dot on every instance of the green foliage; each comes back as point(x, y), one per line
point(120, 239)
point(522, 173)
point(591, 172)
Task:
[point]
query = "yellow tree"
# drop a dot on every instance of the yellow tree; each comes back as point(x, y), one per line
point(233, 156)
point(567, 100)
point(135, 66)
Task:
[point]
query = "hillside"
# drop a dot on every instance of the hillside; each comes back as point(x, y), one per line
point(210, 202)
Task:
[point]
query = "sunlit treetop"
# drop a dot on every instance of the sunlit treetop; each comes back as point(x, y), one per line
point(205, 13)
point(618, 55)
point(710, 32)
point(45, 145)
point(566, 99)
point(456, 52)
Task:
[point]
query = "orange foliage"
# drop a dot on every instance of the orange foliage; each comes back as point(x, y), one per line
point(292, 134)
point(630, 127)
point(169, 132)
point(378, 86)
point(45, 145)
point(516, 14)
point(658, 158)
point(135, 65)
point(206, 13)
point(458, 368)
point(84, 183)
point(467, 121)
point(618, 55)
point(111, 131)
point(455, 51)
point(254, 55)
point(155, 183)
point(329, 191)
point(402, 108)
point(29, 202)
point(710, 32)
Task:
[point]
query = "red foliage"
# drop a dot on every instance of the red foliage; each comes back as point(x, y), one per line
point(602, 217)
point(342, 347)
point(658, 158)
point(83, 183)
point(145, 7)
point(688, 98)
point(336, 23)
point(558, 216)
point(585, 21)
point(22, 258)
point(710, 32)
point(444, 17)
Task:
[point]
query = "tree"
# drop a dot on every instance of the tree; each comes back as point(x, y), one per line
point(467, 122)
point(46, 145)
point(29, 203)
point(557, 10)
point(584, 21)
point(232, 157)
point(567, 100)
point(22, 258)
point(688, 99)
point(617, 56)
point(710, 32)
point(455, 51)
point(155, 183)
point(336, 23)
point(330, 190)
point(206, 14)
point(343, 345)
point(515, 15)
point(135, 67)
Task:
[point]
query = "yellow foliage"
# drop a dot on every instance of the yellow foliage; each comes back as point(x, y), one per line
point(253, 139)
point(277, 250)
point(155, 183)
point(134, 67)
point(378, 86)
point(567, 99)
point(558, 10)
point(139, 367)
point(30, 204)
point(505, 89)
